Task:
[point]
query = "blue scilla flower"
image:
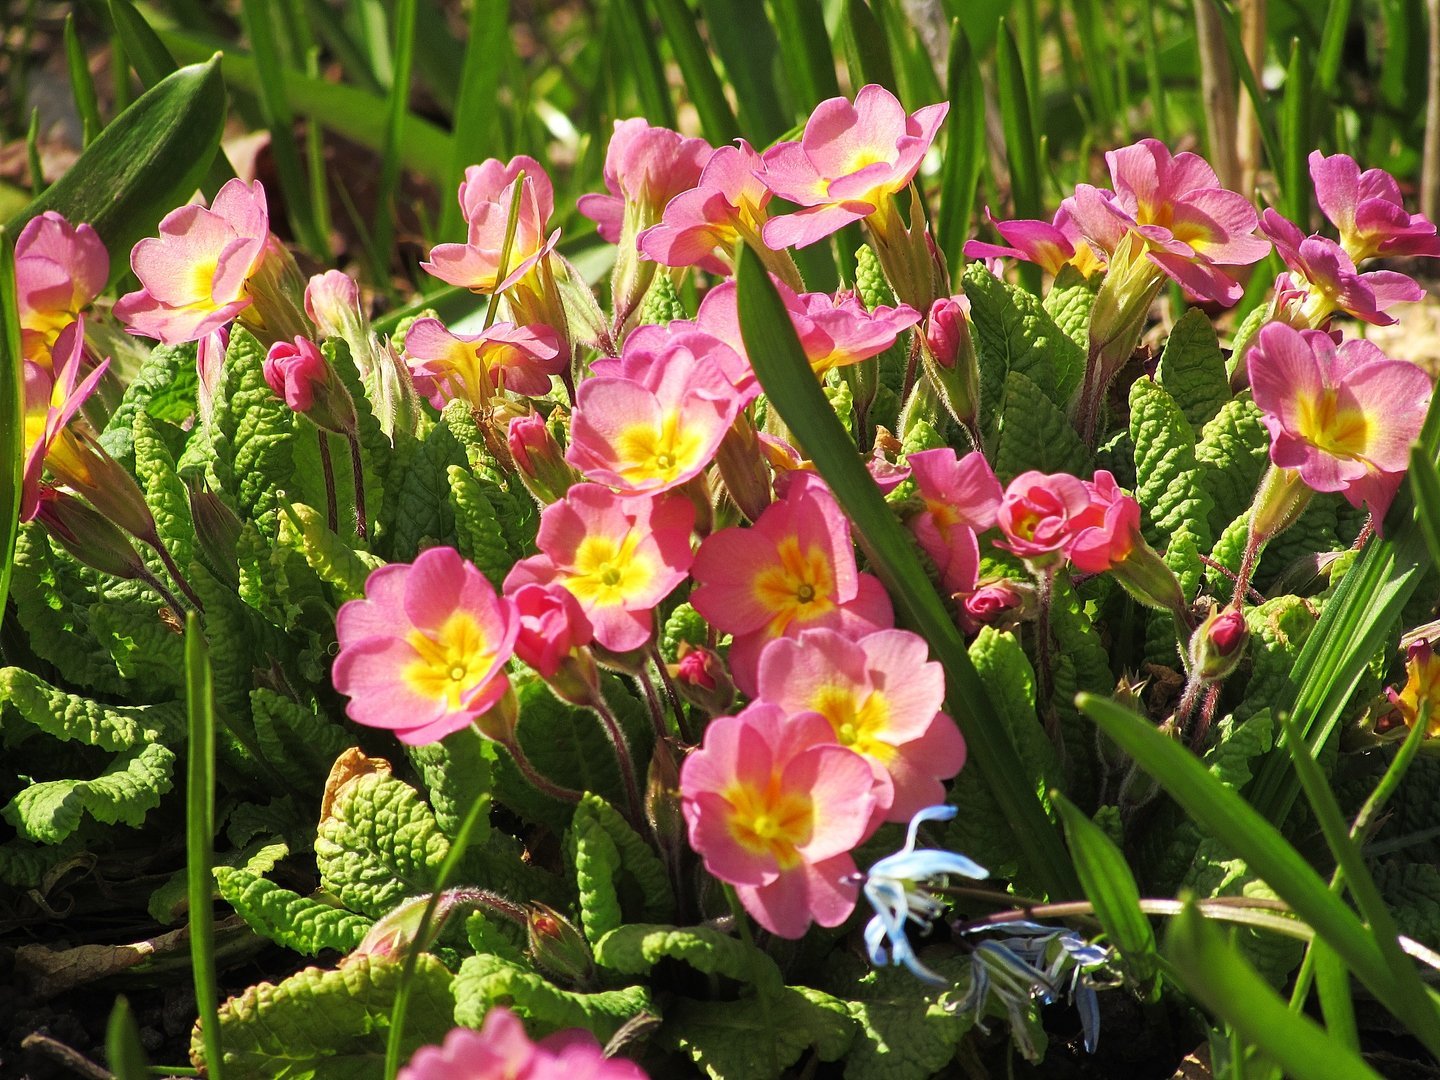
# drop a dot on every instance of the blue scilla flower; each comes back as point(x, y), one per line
point(899, 889)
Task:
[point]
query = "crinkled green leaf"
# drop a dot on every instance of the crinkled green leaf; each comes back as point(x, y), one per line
point(1170, 487)
point(1278, 628)
point(275, 580)
point(379, 844)
point(1411, 889)
point(329, 1024)
point(417, 503)
point(1081, 662)
point(662, 303)
point(129, 788)
point(906, 1031)
point(456, 772)
point(751, 1038)
point(1233, 449)
point(635, 948)
point(477, 527)
point(251, 430)
point(340, 566)
point(685, 624)
point(169, 903)
point(1215, 871)
point(52, 599)
point(1013, 333)
point(164, 490)
point(1192, 368)
point(979, 830)
point(297, 742)
point(297, 922)
point(513, 505)
point(608, 853)
point(23, 865)
point(72, 718)
point(1034, 432)
point(164, 385)
point(487, 980)
point(1069, 302)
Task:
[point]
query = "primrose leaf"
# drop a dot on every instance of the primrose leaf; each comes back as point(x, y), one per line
point(417, 504)
point(477, 526)
point(513, 506)
point(906, 1032)
point(1278, 629)
point(685, 624)
point(486, 980)
point(1069, 302)
point(164, 387)
point(251, 431)
point(1412, 891)
point(750, 1038)
point(1169, 487)
point(343, 568)
point(164, 490)
point(456, 772)
point(297, 922)
point(72, 718)
point(1034, 432)
point(606, 849)
point(1192, 368)
point(298, 742)
point(378, 844)
point(329, 1024)
point(635, 948)
point(128, 789)
point(1233, 449)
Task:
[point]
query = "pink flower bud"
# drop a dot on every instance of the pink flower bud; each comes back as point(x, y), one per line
point(947, 330)
point(1218, 645)
point(557, 947)
point(552, 626)
point(539, 459)
point(332, 300)
point(996, 602)
point(701, 679)
point(294, 370)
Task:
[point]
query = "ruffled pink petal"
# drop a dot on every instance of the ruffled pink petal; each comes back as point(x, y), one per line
point(831, 890)
point(812, 224)
point(370, 672)
point(838, 782)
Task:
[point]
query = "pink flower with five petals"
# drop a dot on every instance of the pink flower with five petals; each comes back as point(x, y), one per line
point(501, 1050)
point(59, 269)
point(645, 167)
point(1367, 209)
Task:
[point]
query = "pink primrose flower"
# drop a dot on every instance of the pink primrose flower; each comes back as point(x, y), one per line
point(881, 695)
point(1343, 417)
point(656, 432)
point(423, 654)
point(1039, 514)
point(647, 348)
point(620, 556)
point(51, 400)
point(552, 626)
point(848, 163)
point(59, 269)
point(295, 370)
point(477, 367)
point(501, 1050)
point(645, 167)
point(961, 498)
point(1177, 213)
point(794, 569)
point(485, 197)
point(774, 806)
point(1324, 279)
point(990, 603)
point(1053, 245)
point(1108, 531)
point(1367, 209)
point(194, 275)
point(702, 227)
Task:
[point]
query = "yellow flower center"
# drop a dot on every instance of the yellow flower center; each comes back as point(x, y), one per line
point(647, 453)
point(799, 587)
point(858, 723)
point(451, 660)
point(1340, 432)
point(770, 822)
point(608, 572)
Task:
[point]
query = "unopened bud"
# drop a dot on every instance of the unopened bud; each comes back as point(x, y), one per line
point(499, 721)
point(743, 467)
point(557, 947)
point(296, 370)
point(540, 459)
point(218, 531)
point(88, 536)
point(1219, 643)
point(701, 679)
point(332, 300)
point(662, 797)
point(1001, 603)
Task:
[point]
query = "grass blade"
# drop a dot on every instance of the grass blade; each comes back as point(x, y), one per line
point(648, 69)
point(914, 66)
point(346, 110)
point(200, 837)
point(397, 108)
point(145, 163)
point(487, 54)
point(1021, 144)
point(867, 52)
point(82, 86)
point(1160, 110)
point(32, 154)
point(1332, 45)
point(1110, 886)
point(122, 1044)
point(1425, 1017)
point(1332, 986)
point(717, 119)
point(747, 46)
point(964, 149)
point(1425, 483)
point(12, 415)
point(794, 391)
point(1217, 976)
point(1295, 129)
point(1353, 627)
point(805, 50)
point(1224, 814)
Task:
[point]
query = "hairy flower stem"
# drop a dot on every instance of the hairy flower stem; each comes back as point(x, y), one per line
point(358, 468)
point(174, 571)
point(1044, 683)
point(682, 724)
point(332, 513)
point(1208, 702)
point(155, 583)
point(623, 758)
point(534, 777)
point(652, 702)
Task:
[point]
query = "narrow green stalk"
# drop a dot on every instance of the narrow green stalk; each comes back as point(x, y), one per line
point(82, 86)
point(200, 838)
point(398, 106)
point(12, 415)
point(394, 1038)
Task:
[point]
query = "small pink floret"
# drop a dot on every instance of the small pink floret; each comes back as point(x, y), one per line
point(1039, 514)
point(293, 369)
point(1367, 209)
point(501, 1050)
point(552, 625)
point(59, 269)
point(486, 194)
point(961, 497)
point(647, 166)
point(1108, 531)
point(727, 202)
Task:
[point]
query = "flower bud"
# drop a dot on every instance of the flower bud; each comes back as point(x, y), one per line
point(950, 359)
point(557, 947)
point(743, 467)
point(552, 626)
point(662, 797)
point(296, 370)
point(700, 678)
point(218, 531)
point(540, 459)
point(395, 932)
point(1219, 643)
point(79, 462)
point(1001, 603)
point(499, 722)
point(88, 536)
point(332, 300)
